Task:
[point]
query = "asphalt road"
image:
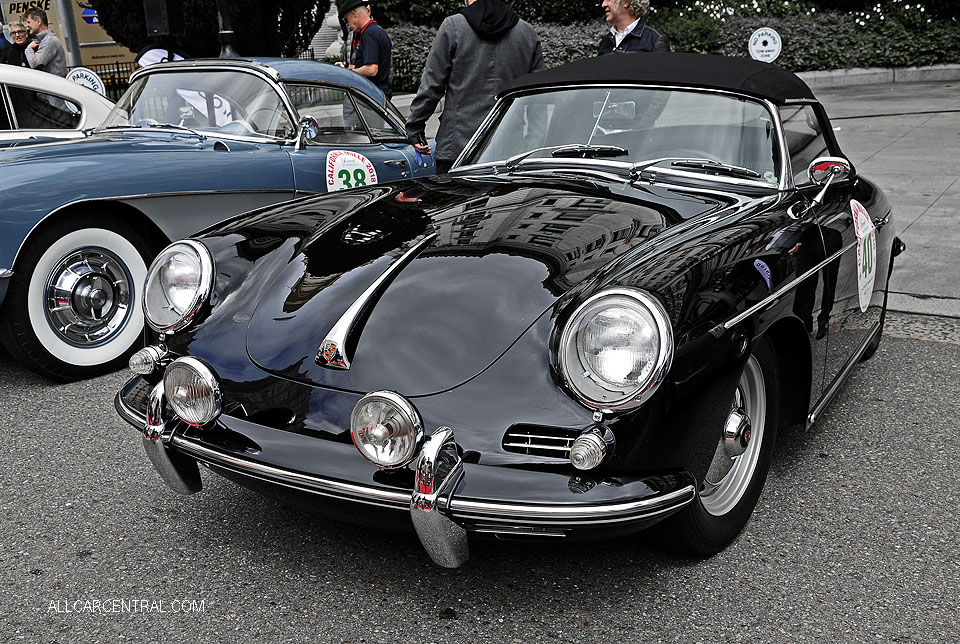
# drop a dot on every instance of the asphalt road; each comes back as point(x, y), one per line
point(855, 540)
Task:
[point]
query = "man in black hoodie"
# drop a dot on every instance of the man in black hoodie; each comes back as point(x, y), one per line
point(476, 53)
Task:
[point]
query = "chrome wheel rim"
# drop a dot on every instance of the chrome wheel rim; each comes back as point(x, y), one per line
point(88, 297)
point(729, 477)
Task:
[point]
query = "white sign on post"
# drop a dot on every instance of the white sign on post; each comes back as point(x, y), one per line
point(88, 78)
point(765, 45)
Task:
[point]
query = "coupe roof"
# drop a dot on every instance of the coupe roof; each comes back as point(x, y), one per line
point(752, 77)
point(284, 69)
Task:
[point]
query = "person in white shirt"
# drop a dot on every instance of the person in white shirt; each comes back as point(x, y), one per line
point(628, 31)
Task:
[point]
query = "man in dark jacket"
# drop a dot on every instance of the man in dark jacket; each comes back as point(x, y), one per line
point(371, 48)
point(628, 32)
point(476, 53)
point(14, 54)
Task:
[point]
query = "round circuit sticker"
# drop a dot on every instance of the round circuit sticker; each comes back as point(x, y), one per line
point(866, 252)
point(349, 169)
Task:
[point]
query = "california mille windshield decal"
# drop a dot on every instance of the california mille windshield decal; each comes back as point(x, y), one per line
point(866, 252)
point(349, 169)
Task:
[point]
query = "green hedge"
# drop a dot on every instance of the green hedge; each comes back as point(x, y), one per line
point(815, 42)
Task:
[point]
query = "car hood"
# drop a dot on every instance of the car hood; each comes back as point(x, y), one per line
point(495, 256)
point(102, 143)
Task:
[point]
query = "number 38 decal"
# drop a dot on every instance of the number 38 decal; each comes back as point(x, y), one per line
point(347, 169)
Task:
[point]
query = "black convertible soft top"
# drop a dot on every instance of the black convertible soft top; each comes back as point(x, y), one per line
point(763, 80)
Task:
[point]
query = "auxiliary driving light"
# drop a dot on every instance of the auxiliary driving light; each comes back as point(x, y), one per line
point(192, 391)
point(386, 428)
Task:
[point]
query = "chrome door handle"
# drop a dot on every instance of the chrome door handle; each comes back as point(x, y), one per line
point(399, 163)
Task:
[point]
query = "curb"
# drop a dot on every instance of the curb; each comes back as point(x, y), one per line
point(880, 75)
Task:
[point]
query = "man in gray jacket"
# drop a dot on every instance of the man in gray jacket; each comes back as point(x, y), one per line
point(476, 53)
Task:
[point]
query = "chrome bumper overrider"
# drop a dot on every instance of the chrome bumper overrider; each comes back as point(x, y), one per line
point(440, 519)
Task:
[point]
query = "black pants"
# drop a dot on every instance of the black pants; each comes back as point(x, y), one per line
point(443, 166)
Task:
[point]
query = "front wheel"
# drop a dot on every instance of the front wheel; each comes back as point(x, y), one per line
point(73, 305)
point(731, 487)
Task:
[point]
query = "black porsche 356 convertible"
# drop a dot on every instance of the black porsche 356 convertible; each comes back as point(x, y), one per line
point(640, 270)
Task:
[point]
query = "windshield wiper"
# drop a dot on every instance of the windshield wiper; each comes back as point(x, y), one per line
point(172, 126)
point(582, 150)
point(707, 164)
point(710, 164)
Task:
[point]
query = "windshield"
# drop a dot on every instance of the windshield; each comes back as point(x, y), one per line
point(647, 124)
point(222, 102)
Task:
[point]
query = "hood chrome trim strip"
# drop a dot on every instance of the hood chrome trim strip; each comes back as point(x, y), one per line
point(333, 352)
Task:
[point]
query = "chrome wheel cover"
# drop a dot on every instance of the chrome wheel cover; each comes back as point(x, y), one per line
point(87, 297)
point(729, 477)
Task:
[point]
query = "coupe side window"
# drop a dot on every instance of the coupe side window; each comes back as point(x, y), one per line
point(804, 138)
point(335, 112)
point(380, 127)
point(40, 111)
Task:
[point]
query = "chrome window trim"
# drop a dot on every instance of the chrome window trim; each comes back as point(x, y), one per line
point(784, 183)
point(272, 79)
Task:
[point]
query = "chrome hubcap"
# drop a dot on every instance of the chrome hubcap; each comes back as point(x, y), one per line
point(88, 297)
point(736, 456)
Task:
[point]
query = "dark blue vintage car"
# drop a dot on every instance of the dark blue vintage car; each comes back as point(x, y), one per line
point(641, 269)
point(189, 144)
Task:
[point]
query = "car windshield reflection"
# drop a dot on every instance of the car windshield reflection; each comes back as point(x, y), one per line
point(220, 102)
point(712, 131)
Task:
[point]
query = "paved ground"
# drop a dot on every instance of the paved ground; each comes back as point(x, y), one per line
point(906, 136)
point(854, 540)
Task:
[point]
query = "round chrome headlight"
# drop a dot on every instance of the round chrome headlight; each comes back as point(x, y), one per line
point(178, 282)
point(616, 348)
point(386, 428)
point(192, 391)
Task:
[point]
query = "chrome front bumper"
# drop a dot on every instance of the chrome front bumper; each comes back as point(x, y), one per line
point(442, 516)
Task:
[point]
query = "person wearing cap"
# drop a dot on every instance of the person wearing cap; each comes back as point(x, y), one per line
point(371, 49)
point(475, 54)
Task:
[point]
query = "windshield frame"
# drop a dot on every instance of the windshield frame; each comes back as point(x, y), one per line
point(784, 181)
point(267, 78)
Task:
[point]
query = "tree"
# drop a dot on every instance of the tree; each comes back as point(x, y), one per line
point(262, 27)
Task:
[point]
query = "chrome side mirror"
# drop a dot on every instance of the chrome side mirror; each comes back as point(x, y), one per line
point(307, 129)
point(823, 170)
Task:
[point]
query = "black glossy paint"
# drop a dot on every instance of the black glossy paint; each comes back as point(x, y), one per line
point(467, 328)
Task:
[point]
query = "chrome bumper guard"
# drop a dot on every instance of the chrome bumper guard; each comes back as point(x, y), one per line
point(438, 517)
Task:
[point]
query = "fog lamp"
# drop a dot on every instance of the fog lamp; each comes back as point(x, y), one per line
point(386, 428)
point(588, 450)
point(192, 391)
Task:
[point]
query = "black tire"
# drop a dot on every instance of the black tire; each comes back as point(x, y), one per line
point(720, 511)
point(93, 322)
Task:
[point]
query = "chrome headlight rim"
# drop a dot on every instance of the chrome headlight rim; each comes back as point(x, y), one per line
point(643, 390)
point(199, 298)
point(209, 379)
point(407, 410)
